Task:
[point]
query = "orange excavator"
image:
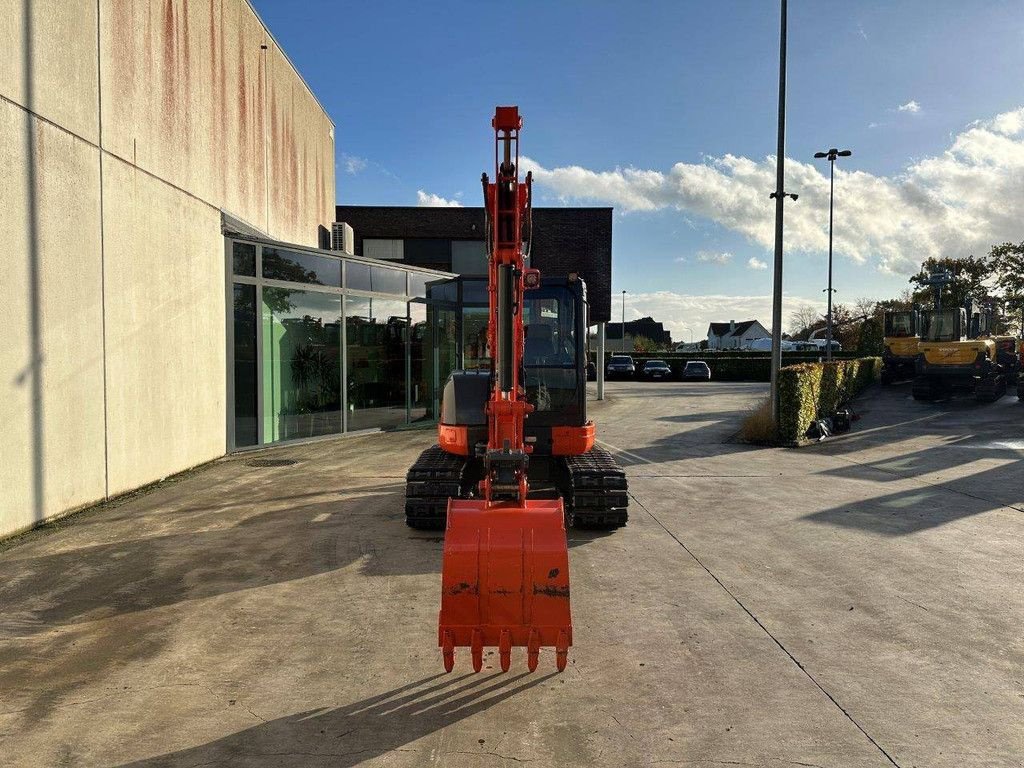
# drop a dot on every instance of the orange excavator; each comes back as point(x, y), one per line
point(505, 573)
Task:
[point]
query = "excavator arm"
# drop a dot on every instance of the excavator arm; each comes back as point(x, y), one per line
point(505, 572)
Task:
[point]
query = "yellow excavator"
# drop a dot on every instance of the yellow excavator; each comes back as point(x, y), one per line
point(902, 330)
point(958, 355)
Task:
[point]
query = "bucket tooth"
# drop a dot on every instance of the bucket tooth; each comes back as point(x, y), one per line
point(448, 651)
point(562, 651)
point(477, 649)
point(533, 650)
point(505, 649)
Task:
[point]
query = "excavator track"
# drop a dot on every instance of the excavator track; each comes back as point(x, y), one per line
point(435, 477)
point(990, 389)
point(597, 494)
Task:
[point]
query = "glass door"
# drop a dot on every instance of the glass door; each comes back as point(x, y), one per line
point(441, 351)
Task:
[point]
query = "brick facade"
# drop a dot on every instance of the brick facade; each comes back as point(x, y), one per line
point(565, 239)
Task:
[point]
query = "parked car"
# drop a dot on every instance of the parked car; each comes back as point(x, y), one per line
point(696, 370)
point(620, 366)
point(821, 344)
point(656, 369)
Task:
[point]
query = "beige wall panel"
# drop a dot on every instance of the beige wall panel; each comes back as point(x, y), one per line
point(60, 467)
point(62, 62)
point(165, 318)
point(301, 156)
point(185, 90)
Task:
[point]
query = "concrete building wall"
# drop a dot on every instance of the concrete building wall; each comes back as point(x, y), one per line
point(125, 128)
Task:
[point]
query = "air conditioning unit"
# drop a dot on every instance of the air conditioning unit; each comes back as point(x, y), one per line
point(342, 237)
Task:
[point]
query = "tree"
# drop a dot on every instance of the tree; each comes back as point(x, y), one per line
point(871, 337)
point(864, 306)
point(1007, 261)
point(644, 344)
point(969, 276)
point(804, 318)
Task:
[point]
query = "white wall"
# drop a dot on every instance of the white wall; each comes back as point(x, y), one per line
point(124, 130)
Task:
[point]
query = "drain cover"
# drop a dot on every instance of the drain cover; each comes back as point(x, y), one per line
point(270, 462)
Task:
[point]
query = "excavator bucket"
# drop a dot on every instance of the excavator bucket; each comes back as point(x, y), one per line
point(505, 581)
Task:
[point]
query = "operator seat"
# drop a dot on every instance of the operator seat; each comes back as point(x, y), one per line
point(539, 346)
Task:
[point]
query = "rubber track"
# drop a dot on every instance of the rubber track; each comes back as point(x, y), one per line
point(598, 493)
point(430, 482)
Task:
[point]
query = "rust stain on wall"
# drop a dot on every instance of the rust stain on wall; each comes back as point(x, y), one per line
point(123, 44)
point(222, 80)
point(261, 125)
point(185, 78)
point(216, 116)
point(243, 128)
point(149, 42)
point(169, 80)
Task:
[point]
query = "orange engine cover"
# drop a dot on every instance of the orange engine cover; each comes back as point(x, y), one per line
point(505, 580)
point(572, 441)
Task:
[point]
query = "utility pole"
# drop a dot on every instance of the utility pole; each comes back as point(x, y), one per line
point(780, 195)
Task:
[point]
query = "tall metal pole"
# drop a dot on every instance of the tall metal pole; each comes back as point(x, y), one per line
point(828, 318)
point(623, 321)
point(780, 155)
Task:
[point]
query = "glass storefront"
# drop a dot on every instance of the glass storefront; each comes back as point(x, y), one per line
point(321, 344)
point(301, 364)
point(245, 380)
point(375, 334)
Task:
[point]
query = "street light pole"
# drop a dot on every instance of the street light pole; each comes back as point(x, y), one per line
point(623, 321)
point(779, 195)
point(831, 155)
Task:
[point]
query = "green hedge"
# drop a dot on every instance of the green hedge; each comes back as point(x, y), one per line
point(815, 390)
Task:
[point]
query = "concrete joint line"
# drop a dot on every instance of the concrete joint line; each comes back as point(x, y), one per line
point(764, 629)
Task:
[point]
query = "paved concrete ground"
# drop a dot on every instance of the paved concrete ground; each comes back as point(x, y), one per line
point(855, 603)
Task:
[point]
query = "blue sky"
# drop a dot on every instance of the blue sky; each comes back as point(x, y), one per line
point(667, 112)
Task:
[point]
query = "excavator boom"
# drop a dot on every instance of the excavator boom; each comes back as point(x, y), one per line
point(505, 572)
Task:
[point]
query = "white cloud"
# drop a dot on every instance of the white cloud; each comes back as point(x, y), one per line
point(911, 106)
point(353, 164)
point(682, 313)
point(955, 203)
point(427, 199)
point(714, 257)
point(755, 263)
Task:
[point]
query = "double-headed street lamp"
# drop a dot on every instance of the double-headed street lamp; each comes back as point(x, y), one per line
point(831, 156)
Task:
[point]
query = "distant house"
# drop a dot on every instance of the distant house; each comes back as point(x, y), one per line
point(645, 326)
point(733, 335)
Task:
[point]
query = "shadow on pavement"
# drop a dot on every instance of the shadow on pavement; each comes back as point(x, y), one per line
point(361, 731)
point(959, 434)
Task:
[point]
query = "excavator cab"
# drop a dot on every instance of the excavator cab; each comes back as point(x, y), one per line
point(902, 330)
point(947, 325)
point(554, 363)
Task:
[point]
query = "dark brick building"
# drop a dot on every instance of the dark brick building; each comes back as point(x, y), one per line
point(647, 327)
point(564, 240)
